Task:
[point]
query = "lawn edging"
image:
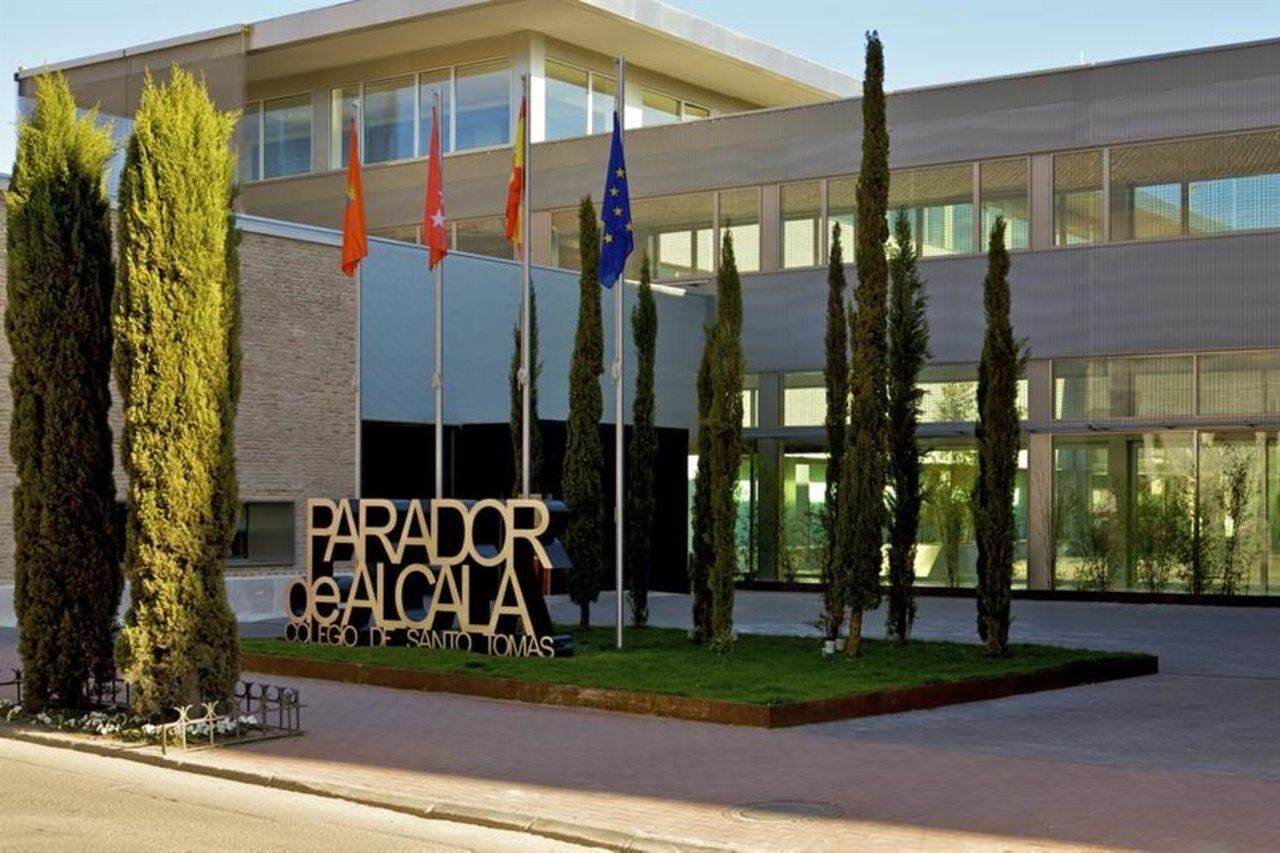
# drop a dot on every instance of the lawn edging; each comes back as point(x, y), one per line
point(783, 715)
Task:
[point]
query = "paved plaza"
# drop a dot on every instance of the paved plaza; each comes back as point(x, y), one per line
point(1186, 759)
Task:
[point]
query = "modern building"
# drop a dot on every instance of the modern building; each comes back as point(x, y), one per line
point(1143, 198)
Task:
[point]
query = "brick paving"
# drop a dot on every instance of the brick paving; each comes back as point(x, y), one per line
point(680, 781)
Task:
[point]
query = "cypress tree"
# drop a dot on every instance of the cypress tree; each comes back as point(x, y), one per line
point(703, 552)
point(726, 444)
point(58, 319)
point(908, 352)
point(584, 455)
point(643, 456)
point(863, 500)
point(517, 402)
point(836, 377)
point(176, 365)
point(997, 433)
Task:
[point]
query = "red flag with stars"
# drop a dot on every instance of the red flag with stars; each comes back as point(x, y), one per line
point(434, 236)
point(355, 245)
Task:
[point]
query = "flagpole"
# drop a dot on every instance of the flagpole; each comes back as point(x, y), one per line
point(437, 381)
point(619, 106)
point(526, 370)
point(359, 354)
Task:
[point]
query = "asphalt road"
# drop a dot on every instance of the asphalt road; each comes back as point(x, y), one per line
point(56, 799)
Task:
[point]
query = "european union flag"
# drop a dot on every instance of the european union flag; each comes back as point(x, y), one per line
point(617, 240)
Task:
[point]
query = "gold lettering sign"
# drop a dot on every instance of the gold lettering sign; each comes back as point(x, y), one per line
point(466, 580)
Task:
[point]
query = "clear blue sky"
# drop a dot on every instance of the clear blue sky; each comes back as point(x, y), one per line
point(926, 41)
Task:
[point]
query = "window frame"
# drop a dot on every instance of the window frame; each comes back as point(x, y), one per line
point(261, 104)
point(248, 562)
point(592, 74)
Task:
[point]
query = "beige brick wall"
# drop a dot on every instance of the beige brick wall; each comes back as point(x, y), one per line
point(295, 433)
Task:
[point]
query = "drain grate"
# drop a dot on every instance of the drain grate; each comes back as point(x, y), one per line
point(784, 811)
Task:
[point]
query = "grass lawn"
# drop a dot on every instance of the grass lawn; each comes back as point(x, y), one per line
point(762, 670)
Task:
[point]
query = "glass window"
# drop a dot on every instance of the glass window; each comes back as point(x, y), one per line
point(740, 215)
point(801, 537)
point(939, 203)
point(264, 533)
point(949, 394)
point(565, 245)
point(1077, 198)
point(676, 234)
point(566, 100)
point(1003, 187)
point(1242, 383)
point(603, 94)
point(801, 225)
point(804, 400)
point(342, 107)
point(483, 236)
point(388, 120)
point(693, 112)
point(750, 400)
point(484, 105)
point(403, 233)
point(842, 205)
point(657, 108)
point(249, 132)
point(1141, 387)
point(286, 135)
point(1196, 186)
point(429, 83)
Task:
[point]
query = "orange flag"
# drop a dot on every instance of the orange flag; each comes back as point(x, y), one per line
point(355, 246)
point(515, 187)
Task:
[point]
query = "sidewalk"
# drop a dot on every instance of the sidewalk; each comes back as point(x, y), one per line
point(681, 782)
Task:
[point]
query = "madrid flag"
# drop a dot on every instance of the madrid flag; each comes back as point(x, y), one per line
point(434, 236)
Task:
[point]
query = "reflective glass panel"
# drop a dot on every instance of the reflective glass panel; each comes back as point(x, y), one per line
point(740, 216)
point(566, 100)
point(484, 105)
point(286, 134)
point(429, 83)
point(1004, 193)
point(657, 108)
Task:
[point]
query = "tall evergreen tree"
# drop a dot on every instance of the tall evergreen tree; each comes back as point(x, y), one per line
point(863, 500)
point(997, 433)
point(58, 319)
point(642, 459)
point(726, 444)
point(517, 402)
point(703, 550)
point(584, 456)
point(176, 365)
point(836, 377)
point(908, 352)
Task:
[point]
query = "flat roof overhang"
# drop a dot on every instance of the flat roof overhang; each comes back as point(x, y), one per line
point(649, 33)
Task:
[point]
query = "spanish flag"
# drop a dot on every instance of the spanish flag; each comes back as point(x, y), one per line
point(515, 187)
point(354, 243)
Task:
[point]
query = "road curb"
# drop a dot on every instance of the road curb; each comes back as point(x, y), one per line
point(556, 830)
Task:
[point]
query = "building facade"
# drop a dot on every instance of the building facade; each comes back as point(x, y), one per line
point(1143, 198)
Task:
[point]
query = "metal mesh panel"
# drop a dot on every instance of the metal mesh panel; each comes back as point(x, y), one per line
point(804, 400)
point(1243, 383)
point(801, 231)
point(842, 208)
point(1208, 185)
point(1077, 198)
point(939, 201)
point(740, 215)
point(1141, 387)
point(675, 232)
point(1003, 188)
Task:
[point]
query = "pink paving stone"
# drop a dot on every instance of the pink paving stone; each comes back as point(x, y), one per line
point(678, 780)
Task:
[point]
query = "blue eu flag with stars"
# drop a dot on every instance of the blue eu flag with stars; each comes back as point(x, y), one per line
point(616, 240)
